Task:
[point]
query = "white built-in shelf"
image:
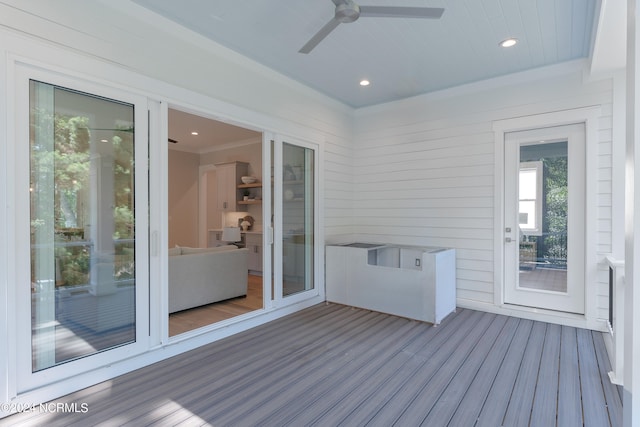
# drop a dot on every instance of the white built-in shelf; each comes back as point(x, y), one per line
point(254, 185)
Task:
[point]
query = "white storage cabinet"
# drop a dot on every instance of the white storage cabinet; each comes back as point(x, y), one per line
point(414, 282)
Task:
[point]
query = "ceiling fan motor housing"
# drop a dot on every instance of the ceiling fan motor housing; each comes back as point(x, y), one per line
point(348, 12)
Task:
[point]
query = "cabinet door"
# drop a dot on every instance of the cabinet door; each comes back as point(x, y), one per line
point(215, 239)
point(228, 177)
point(254, 244)
point(225, 177)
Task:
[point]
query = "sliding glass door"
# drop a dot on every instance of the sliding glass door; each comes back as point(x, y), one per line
point(295, 219)
point(298, 219)
point(87, 252)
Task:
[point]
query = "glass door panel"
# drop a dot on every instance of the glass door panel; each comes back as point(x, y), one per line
point(544, 218)
point(298, 219)
point(83, 270)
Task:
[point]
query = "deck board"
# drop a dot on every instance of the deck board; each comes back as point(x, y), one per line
point(240, 371)
point(521, 401)
point(499, 396)
point(425, 393)
point(612, 393)
point(336, 365)
point(445, 405)
point(569, 404)
point(590, 383)
point(469, 406)
point(272, 402)
point(367, 409)
point(546, 391)
point(145, 386)
point(392, 409)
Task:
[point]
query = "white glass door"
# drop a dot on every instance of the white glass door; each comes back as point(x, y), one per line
point(83, 288)
point(544, 218)
point(295, 255)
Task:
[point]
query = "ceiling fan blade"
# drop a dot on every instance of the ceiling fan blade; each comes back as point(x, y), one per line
point(320, 35)
point(171, 140)
point(400, 12)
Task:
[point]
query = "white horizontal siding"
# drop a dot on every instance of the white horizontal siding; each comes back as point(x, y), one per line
point(338, 186)
point(604, 217)
point(424, 172)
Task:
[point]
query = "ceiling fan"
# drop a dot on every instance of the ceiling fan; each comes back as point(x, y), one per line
point(348, 11)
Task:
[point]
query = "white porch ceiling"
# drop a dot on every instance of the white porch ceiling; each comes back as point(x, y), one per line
point(401, 57)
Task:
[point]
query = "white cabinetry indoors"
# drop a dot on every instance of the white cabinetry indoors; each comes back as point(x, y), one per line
point(228, 178)
point(253, 242)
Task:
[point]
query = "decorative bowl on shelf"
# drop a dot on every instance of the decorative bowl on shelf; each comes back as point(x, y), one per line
point(248, 179)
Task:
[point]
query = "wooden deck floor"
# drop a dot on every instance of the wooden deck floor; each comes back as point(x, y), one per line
point(335, 365)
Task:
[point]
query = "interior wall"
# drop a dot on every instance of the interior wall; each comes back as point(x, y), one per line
point(183, 198)
point(424, 172)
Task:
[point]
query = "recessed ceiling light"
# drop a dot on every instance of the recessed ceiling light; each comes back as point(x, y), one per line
point(103, 140)
point(509, 42)
point(365, 82)
point(194, 133)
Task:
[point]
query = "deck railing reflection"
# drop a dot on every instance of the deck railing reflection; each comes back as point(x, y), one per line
point(546, 251)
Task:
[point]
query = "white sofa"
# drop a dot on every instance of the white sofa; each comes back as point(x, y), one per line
point(199, 276)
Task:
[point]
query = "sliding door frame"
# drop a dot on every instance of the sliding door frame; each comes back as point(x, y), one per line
point(151, 98)
point(21, 319)
point(277, 248)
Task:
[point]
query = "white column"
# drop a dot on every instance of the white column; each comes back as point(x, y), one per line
point(102, 224)
point(631, 394)
point(43, 261)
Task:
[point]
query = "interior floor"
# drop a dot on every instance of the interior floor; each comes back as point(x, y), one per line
point(188, 320)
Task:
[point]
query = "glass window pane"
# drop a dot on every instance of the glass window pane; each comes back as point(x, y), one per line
point(528, 183)
point(82, 224)
point(298, 219)
point(543, 216)
point(527, 215)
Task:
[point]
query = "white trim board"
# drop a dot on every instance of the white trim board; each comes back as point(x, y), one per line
point(6, 217)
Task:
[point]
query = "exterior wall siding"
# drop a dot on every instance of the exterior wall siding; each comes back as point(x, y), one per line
point(424, 172)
